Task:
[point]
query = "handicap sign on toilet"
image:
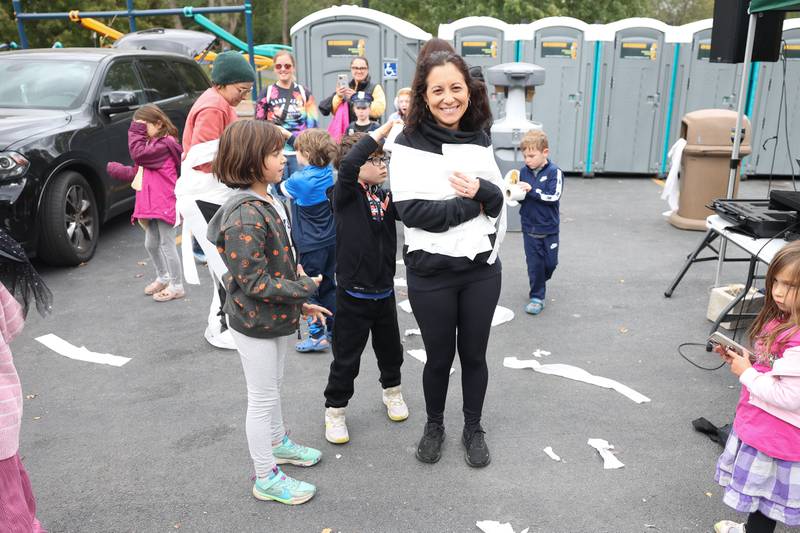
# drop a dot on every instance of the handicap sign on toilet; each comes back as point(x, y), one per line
point(390, 70)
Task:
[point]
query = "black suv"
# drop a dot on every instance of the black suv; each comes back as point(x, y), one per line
point(64, 114)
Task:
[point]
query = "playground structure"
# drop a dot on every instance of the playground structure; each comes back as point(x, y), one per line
point(116, 36)
point(259, 56)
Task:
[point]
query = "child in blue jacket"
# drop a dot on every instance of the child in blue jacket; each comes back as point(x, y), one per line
point(313, 229)
point(542, 180)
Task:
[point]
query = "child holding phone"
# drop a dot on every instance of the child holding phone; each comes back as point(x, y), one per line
point(760, 467)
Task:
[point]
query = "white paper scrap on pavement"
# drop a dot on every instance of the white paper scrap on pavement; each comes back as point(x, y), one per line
point(405, 305)
point(610, 460)
point(421, 356)
point(502, 315)
point(540, 353)
point(400, 282)
point(60, 346)
point(576, 373)
point(409, 332)
point(551, 454)
point(493, 526)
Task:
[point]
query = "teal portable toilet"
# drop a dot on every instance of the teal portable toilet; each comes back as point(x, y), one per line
point(561, 105)
point(483, 42)
point(326, 41)
point(697, 83)
point(772, 123)
point(634, 59)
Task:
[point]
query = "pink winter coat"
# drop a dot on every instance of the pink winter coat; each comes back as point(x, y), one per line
point(161, 159)
point(11, 322)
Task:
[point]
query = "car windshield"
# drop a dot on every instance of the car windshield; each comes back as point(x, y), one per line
point(44, 84)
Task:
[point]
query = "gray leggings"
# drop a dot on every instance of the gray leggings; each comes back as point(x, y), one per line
point(159, 241)
point(263, 363)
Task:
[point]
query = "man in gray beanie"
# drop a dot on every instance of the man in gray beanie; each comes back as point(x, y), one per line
point(198, 192)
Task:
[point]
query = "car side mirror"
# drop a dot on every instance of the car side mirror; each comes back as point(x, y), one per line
point(117, 102)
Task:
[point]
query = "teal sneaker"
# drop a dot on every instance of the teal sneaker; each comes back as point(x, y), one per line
point(310, 344)
point(534, 307)
point(289, 452)
point(281, 488)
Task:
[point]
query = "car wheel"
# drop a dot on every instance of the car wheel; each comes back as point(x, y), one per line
point(69, 221)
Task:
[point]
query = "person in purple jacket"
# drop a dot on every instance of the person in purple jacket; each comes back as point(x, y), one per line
point(156, 153)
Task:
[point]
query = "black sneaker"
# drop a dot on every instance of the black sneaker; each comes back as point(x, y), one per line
point(429, 449)
point(477, 452)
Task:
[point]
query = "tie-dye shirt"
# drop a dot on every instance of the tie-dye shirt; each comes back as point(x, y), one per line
point(302, 113)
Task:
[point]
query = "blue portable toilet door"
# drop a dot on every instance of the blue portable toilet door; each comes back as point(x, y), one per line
point(633, 117)
point(557, 104)
point(710, 85)
point(340, 42)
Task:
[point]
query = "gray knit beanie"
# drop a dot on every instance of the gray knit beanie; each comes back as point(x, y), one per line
point(231, 67)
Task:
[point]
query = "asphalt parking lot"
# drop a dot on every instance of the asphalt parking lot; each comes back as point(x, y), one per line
point(158, 444)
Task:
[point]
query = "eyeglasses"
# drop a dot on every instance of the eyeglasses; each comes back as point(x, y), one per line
point(378, 161)
point(359, 68)
point(244, 90)
point(283, 66)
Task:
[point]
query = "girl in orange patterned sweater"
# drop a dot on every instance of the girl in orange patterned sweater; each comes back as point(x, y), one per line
point(266, 295)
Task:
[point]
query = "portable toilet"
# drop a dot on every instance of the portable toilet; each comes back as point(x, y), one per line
point(518, 80)
point(773, 123)
point(634, 59)
point(697, 82)
point(482, 42)
point(325, 42)
point(559, 45)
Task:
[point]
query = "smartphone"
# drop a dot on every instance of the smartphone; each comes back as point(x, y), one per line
point(718, 339)
point(341, 80)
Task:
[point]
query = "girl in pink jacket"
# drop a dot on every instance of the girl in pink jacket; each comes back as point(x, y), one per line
point(17, 504)
point(156, 153)
point(760, 467)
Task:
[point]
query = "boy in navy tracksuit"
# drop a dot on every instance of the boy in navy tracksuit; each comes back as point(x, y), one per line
point(313, 230)
point(542, 180)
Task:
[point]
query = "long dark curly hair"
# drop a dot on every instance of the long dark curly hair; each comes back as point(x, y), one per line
point(478, 113)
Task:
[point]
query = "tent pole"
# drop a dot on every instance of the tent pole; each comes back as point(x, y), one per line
point(737, 134)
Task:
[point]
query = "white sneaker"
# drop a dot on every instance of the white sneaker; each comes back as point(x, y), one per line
point(335, 426)
point(396, 407)
point(219, 339)
point(728, 526)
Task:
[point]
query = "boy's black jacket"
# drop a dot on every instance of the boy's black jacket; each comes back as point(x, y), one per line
point(365, 248)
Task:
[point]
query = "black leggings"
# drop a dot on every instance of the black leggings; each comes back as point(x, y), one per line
point(453, 317)
point(759, 523)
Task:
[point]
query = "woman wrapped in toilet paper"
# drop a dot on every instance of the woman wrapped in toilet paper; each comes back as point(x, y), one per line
point(448, 192)
point(199, 194)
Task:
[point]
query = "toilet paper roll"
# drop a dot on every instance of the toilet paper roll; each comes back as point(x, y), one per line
point(514, 192)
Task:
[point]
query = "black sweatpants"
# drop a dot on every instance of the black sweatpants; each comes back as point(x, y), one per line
point(456, 317)
point(355, 319)
point(759, 523)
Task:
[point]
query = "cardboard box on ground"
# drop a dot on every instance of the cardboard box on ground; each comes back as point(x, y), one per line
point(720, 298)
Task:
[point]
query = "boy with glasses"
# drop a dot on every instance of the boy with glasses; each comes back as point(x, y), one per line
point(366, 245)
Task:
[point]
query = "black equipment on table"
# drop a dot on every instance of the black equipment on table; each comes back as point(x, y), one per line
point(758, 218)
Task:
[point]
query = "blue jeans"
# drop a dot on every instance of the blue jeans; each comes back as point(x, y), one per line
point(316, 262)
point(541, 254)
